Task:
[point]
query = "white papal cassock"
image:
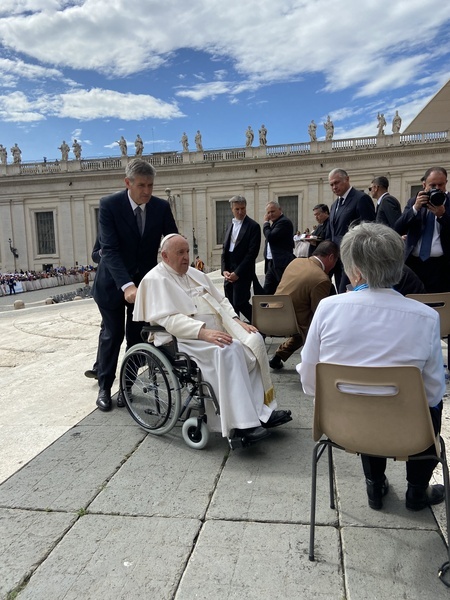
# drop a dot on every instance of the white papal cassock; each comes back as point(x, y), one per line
point(238, 373)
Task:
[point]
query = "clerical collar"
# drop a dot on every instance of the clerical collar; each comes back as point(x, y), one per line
point(172, 271)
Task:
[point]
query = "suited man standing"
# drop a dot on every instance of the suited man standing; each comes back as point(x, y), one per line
point(240, 251)
point(279, 248)
point(388, 208)
point(131, 225)
point(351, 207)
point(426, 223)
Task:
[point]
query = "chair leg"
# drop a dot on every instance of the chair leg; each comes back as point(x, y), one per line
point(330, 475)
point(443, 459)
point(312, 522)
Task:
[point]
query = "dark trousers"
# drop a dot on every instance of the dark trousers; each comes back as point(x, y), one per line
point(288, 347)
point(418, 472)
point(117, 323)
point(238, 293)
point(434, 272)
point(272, 279)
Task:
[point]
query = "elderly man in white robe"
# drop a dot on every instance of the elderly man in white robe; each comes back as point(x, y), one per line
point(230, 353)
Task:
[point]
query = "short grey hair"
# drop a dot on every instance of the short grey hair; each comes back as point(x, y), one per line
point(138, 166)
point(274, 203)
point(376, 251)
point(342, 174)
point(238, 200)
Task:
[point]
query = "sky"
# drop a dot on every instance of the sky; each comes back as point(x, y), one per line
point(96, 70)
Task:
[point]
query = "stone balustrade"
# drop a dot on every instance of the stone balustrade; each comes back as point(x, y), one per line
point(230, 154)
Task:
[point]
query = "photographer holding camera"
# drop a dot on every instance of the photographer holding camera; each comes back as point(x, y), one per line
point(426, 221)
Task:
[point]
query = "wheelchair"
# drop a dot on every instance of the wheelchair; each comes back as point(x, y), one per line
point(162, 387)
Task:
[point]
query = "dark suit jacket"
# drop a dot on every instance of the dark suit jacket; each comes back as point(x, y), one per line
point(280, 236)
point(412, 225)
point(358, 207)
point(323, 232)
point(126, 255)
point(246, 249)
point(96, 251)
point(388, 211)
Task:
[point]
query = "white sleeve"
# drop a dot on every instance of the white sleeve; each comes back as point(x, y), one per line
point(310, 356)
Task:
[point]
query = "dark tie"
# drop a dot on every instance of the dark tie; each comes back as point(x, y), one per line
point(139, 220)
point(427, 236)
point(340, 202)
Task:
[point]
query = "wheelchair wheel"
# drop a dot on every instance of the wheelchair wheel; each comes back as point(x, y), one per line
point(193, 439)
point(150, 389)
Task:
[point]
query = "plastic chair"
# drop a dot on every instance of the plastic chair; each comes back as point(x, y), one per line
point(274, 315)
point(441, 304)
point(380, 411)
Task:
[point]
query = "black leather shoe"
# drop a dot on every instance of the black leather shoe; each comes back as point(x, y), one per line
point(251, 435)
point(120, 400)
point(278, 417)
point(375, 492)
point(104, 400)
point(91, 374)
point(275, 362)
point(418, 498)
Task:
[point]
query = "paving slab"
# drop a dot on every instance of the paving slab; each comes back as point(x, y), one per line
point(113, 558)
point(70, 473)
point(261, 561)
point(393, 563)
point(27, 537)
point(271, 483)
point(353, 505)
point(165, 477)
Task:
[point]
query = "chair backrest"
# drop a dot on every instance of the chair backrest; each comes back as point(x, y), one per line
point(441, 304)
point(382, 411)
point(274, 315)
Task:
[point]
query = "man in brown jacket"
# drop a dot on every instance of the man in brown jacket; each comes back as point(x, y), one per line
point(306, 281)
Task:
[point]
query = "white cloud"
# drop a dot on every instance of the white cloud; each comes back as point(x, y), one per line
point(86, 105)
point(266, 40)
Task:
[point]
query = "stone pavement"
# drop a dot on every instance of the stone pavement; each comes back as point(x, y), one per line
point(92, 507)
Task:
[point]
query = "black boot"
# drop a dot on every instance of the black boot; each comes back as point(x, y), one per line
point(375, 492)
point(419, 497)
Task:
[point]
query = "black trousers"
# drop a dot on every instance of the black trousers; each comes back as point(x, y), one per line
point(434, 272)
point(117, 324)
point(418, 472)
point(238, 293)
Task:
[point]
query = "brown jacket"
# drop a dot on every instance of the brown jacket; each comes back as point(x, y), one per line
point(307, 284)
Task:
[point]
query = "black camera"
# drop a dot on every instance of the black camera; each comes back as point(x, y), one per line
point(436, 197)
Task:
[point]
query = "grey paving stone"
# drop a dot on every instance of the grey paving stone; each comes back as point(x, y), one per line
point(259, 561)
point(68, 474)
point(26, 538)
point(165, 477)
point(115, 558)
point(392, 563)
point(270, 482)
point(352, 497)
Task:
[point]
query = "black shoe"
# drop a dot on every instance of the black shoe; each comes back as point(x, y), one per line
point(251, 435)
point(375, 492)
point(275, 362)
point(278, 417)
point(120, 400)
point(104, 400)
point(91, 374)
point(418, 498)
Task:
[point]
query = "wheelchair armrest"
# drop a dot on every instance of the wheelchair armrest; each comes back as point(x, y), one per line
point(170, 349)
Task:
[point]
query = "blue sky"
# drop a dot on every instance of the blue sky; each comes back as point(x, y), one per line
point(94, 70)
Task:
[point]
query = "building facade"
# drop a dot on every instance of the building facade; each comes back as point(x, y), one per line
point(48, 211)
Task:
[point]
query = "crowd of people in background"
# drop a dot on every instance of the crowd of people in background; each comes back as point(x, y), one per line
point(9, 281)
